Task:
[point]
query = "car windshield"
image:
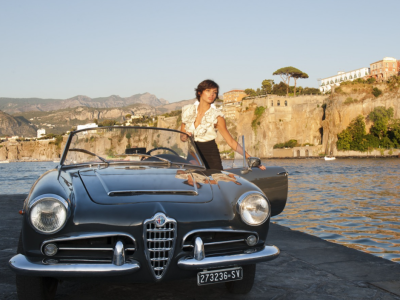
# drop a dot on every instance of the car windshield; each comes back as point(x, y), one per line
point(139, 145)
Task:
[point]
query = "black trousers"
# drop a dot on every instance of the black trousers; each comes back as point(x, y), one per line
point(209, 154)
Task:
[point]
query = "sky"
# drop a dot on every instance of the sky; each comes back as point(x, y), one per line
point(60, 49)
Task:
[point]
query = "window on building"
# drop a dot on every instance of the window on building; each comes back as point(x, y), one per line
point(285, 102)
point(279, 103)
point(345, 78)
point(386, 64)
point(272, 102)
point(351, 77)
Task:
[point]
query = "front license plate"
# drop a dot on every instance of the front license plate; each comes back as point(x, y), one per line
point(216, 276)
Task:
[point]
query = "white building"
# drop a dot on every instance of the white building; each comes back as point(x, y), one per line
point(327, 83)
point(89, 125)
point(41, 132)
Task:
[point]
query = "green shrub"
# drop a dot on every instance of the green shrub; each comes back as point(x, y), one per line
point(288, 144)
point(376, 92)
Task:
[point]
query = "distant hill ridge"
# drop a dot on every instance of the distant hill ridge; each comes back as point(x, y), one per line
point(17, 105)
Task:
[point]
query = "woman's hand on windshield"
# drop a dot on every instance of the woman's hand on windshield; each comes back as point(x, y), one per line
point(261, 167)
point(184, 137)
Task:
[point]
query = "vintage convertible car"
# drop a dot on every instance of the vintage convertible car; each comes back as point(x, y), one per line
point(137, 204)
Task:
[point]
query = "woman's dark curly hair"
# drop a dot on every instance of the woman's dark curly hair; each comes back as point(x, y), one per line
point(204, 85)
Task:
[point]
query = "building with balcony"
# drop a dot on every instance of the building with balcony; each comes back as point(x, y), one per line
point(329, 82)
point(383, 69)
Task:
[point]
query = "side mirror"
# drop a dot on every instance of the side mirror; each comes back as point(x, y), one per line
point(253, 162)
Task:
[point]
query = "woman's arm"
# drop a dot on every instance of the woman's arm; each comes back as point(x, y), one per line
point(184, 136)
point(221, 126)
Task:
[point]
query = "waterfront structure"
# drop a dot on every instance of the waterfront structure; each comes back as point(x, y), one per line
point(89, 125)
point(41, 132)
point(383, 69)
point(332, 81)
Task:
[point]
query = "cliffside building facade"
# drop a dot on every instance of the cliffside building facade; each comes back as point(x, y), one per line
point(232, 100)
point(383, 69)
point(329, 82)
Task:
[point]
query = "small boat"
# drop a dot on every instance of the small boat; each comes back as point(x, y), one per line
point(4, 161)
point(329, 158)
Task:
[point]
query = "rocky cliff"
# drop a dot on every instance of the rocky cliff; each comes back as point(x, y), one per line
point(350, 102)
point(304, 119)
point(41, 150)
point(301, 120)
point(15, 126)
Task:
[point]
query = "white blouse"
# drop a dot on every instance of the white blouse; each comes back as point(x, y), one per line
point(205, 131)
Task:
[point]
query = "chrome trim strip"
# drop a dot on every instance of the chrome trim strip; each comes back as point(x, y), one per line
point(141, 192)
point(216, 243)
point(216, 230)
point(22, 266)
point(224, 242)
point(239, 207)
point(267, 253)
point(161, 229)
point(88, 236)
point(94, 249)
point(85, 249)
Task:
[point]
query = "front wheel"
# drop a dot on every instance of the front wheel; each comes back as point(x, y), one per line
point(245, 285)
point(34, 288)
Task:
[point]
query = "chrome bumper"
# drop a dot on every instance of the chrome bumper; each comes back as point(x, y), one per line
point(265, 254)
point(22, 266)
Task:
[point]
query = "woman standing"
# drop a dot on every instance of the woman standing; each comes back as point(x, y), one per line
point(202, 119)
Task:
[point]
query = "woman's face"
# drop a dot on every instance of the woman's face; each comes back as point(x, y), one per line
point(208, 95)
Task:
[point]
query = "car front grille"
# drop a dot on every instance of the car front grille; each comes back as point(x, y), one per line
point(97, 247)
point(159, 243)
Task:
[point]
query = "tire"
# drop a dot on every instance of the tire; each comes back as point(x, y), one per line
point(245, 285)
point(34, 288)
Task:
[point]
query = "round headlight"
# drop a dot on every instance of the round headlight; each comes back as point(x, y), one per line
point(48, 213)
point(253, 208)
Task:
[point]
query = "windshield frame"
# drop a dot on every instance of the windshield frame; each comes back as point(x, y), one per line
point(72, 134)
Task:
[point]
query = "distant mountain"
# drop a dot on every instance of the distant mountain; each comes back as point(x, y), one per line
point(173, 106)
point(16, 105)
point(11, 126)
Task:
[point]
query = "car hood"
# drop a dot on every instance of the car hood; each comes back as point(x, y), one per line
point(119, 185)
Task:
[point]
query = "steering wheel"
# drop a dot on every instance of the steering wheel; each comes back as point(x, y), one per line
point(162, 148)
